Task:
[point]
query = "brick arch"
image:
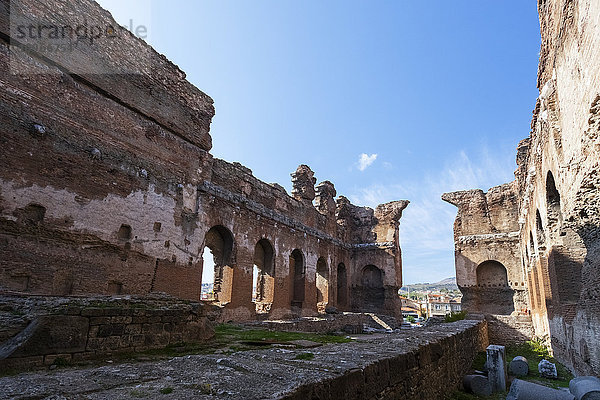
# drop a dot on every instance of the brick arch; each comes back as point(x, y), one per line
point(342, 285)
point(264, 275)
point(219, 240)
point(491, 273)
point(495, 296)
point(322, 283)
point(298, 274)
point(373, 297)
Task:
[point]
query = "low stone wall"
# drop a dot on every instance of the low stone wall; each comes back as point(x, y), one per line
point(507, 329)
point(427, 372)
point(39, 330)
point(343, 322)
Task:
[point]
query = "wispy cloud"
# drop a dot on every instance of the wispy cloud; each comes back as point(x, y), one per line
point(365, 160)
point(427, 223)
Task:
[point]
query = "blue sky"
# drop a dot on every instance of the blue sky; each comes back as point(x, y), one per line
point(440, 91)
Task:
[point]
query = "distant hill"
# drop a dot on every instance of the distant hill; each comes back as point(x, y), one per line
point(448, 283)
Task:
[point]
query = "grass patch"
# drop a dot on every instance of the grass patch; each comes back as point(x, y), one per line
point(228, 333)
point(534, 352)
point(233, 338)
point(305, 356)
point(166, 390)
point(455, 316)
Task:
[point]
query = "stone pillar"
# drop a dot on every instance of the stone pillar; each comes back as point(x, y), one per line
point(303, 184)
point(496, 364)
point(522, 390)
point(585, 388)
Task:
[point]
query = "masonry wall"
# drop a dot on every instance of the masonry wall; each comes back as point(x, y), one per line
point(430, 371)
point(558, 187)
point(558, 176)
point(107, 186)
point(487, 255)
point(82, 329)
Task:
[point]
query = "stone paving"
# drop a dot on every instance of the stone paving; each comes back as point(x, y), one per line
point(269, 373)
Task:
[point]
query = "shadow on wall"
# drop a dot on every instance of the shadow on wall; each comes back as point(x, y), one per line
point(370, 296)
point(504, 329)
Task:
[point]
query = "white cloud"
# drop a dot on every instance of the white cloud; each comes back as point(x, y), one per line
point(365, 160)
point(426, 225)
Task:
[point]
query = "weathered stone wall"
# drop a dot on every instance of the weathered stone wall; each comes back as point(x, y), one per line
point(107, 187)
point(558, 177)
point(37, 331)
point(558, 183)
point(487, 255)
point(430, 371)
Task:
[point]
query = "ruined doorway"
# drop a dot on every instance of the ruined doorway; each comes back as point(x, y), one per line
point(297, 270)
point(263, 277)
point(322, 282)
point(218, 248)
point(494, 294)
point(373, 291)
point(342, 285)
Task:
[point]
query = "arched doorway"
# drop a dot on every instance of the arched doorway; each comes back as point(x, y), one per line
point(374, 293)
point(342, 285)
point(217, 268)
point(263, 277)
point(322, 282)
point(297, 271)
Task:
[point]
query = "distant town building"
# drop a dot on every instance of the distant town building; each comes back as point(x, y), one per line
point(441, 305)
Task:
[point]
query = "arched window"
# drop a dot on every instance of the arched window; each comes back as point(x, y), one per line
point(297, 270)
point(263, 279)
point(217, 269)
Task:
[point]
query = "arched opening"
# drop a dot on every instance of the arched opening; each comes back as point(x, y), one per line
point(539, 229)
point(496, 296)
point(322, 283)
point(374, 293)
point(297, 270)
point(263, 278)
point(491, 274)
point(342, 285)
point(217, 265)
point(553, 203)
point(208, 275)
